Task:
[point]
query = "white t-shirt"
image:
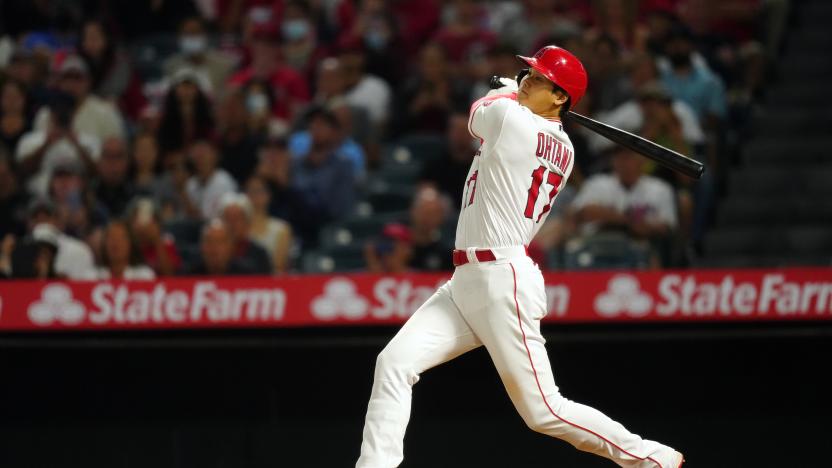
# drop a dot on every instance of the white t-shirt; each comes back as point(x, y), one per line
point(74, 259)
point(629, 116)
point(94, 116)
point(650, 199)
point(207, 196)
point(523, 162)
point(138, 272)
point(59, 152)
point(371, 93)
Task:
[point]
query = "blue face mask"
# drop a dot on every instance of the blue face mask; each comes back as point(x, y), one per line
point(375, 40)
point(295, 30)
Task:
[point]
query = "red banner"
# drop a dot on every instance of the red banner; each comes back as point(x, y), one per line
point(665, 296)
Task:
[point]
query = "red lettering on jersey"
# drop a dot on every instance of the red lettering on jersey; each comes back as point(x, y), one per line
point(541, 142)
point(549, 141)
point(556, 159)
point(566, 159)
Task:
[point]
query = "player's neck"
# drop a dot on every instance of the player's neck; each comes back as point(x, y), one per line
point(551, 114)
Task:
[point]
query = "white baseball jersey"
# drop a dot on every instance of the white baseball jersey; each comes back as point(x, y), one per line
point(523, 162)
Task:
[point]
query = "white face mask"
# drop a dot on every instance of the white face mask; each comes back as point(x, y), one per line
point(193, 45)
point(295, 30)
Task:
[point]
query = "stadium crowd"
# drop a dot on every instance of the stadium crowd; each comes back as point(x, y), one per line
point(217, 137)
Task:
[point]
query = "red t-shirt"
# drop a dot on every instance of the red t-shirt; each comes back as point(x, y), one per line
point(151, 257)
point(288, 86)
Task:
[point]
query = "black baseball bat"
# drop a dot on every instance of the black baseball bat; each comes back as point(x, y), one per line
point(664, 156)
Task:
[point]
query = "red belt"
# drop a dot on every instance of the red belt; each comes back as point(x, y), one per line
point(461, 256)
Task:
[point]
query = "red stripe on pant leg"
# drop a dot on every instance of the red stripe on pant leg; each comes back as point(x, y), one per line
point(528, 352)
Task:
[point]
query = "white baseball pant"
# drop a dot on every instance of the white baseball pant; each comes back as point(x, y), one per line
point(498, 305)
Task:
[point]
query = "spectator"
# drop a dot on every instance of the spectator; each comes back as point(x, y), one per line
point(301, 142)
point(157, 249)
point(237, 215)
point(12, 199)
point(428, 215)
point(145, 163)
point(329, 83)
point(217, 253)
point(40, 150)
point(74, 258)
point(170, 193)
point(289, 87)
point(418, 19)
point(466, 38)
point(363, 90)
point(300, 39)
point(448, 172)
point(376, 29)
point(429, 96)
point(391, 252)
point(91, 114)
point(77, 210)
point(209, 183)
point(274, 168)
point(537, 19)
point(187, 115)
point(15, 113)
point(33, 258)
point(324, 180)
point(111, 74)
point(195, 53)
point(113, 187)
point(25, 68)
point(121, 258)
point(247, 121)
point(641, 205)
point(273, 234)
point(688, 78)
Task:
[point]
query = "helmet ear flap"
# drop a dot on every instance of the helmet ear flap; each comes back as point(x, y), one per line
point(521, 75)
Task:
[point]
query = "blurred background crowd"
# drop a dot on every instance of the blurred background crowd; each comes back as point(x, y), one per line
point(217, 137)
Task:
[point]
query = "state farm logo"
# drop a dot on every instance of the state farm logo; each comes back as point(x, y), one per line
point(623, 295)
point(339, 299)
point(56, 304)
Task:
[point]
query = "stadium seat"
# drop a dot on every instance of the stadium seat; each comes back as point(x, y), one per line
point(605, 250)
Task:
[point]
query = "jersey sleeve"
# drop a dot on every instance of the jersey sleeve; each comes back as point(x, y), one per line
point(487, 115)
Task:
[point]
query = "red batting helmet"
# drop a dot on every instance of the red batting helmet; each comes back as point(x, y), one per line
point(562, 68)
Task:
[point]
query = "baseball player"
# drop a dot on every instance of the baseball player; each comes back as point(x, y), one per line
point(496, 296)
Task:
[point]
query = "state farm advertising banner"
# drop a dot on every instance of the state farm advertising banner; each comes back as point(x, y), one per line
point(364, 299)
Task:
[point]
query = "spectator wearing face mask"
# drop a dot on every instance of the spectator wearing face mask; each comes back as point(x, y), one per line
point(301, 48)
point(196, 53)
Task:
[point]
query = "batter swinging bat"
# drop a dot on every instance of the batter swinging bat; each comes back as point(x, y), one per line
point(664, 156)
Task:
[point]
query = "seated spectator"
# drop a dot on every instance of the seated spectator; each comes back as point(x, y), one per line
point(273, 234)
point(274, 163)
point(391, 252)
point(13, 199)
point(187, 115)
point(217, 253)
point(237, 214)
point(246, 122)
point(641, 205)
point(170, 192)
point(289, 87)
point(91, 114)
point(15, 114)
point(465, 39)
point(300, 39)
point(74, 259)
point(120, 255)
point(448, 171)
point(376, 28)
point(113, 187)
point(196, 53)
point(302, 141)
point(158, 249)
point(145, 163)
point(32, 258)
point(323, 180)
point(209, 183)
point(428, 215)
point(78, 211)
point(111, 73)
point(40, 150)
point(428, 97)
point(364, 90)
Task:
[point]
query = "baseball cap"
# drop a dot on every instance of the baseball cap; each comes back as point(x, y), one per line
point(68, 166)
point(46, 233)
point(73, 64)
